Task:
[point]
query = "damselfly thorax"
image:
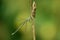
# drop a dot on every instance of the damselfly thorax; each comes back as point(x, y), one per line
point(33, 10)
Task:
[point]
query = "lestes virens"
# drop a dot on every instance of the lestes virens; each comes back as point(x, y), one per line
point(31, 17)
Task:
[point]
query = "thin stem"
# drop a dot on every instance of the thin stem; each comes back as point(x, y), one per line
point(33, 30)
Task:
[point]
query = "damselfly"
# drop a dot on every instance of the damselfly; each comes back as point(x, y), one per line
point(31, 17)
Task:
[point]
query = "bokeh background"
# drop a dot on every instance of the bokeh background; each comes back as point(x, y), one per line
point(14, 12)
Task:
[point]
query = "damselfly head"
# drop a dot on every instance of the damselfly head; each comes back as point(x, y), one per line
point(34, 5)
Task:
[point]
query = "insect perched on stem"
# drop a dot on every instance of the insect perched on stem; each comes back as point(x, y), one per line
point(31, 17)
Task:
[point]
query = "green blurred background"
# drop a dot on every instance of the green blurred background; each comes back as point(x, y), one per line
point(14, 12)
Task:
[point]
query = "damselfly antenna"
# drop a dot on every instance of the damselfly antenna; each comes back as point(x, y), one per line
point(32, 17)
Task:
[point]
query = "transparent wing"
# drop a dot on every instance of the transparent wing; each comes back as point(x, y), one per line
point(22, 24)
